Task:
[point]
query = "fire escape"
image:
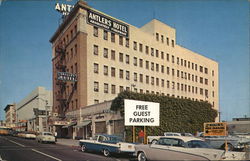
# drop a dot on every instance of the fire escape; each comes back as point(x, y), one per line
point(62, 97)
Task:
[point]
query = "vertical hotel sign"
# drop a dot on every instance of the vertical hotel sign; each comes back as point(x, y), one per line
point(107, 23)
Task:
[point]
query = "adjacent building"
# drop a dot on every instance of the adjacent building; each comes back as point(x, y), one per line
point(34, 110)
point(10, 115)
point(96, 56)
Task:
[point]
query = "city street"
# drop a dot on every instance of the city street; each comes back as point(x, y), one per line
point(19, 149)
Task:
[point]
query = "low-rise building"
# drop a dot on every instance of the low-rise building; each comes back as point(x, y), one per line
point(33, 111)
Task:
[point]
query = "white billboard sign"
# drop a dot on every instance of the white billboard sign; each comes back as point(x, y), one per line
point(141, 113)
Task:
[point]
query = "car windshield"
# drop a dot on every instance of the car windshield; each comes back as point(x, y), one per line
point(46, 133)
point(198, 144)
point(171, 142)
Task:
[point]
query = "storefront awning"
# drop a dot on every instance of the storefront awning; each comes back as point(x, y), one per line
point(82, 124)
point(69, 125)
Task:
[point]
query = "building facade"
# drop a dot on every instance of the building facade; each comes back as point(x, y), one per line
point(108, 56)
point(10, 115)
point(33, 111)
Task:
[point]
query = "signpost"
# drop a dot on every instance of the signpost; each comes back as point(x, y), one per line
point(141, 113)
point(216, 129)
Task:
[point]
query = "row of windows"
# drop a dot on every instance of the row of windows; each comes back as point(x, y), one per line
point(122, 72)
point(162, 39)
point(123, 56)
point(70, 36)
point(174, 85)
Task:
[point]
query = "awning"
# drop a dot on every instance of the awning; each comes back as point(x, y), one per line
point(71, 124)
point(82, 124)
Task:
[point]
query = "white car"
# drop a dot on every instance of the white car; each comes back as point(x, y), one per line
point(30, 135)
point(183, 148)
point(46, 137)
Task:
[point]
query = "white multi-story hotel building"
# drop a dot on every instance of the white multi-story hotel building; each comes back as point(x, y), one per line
point(109, 56)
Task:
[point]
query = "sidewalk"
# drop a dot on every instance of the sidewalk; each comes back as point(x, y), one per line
point(68, 142)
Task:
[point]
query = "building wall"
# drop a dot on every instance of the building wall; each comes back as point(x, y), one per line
point(190, 75)
point(36, 99)
point(10, 115)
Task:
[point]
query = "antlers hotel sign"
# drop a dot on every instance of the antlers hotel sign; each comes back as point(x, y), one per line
point(107, 23)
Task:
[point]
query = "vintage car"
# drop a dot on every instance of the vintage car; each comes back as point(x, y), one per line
point(47, 137)
point(107, 144)
point(183, 148)
point(30, 135)
point(154, 139)
point(233, 142)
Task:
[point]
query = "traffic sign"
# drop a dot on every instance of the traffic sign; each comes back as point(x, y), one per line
point(215, 129)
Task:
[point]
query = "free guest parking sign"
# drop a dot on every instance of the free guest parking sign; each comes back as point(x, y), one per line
point(141, 113)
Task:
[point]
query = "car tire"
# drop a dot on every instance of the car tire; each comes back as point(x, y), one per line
point(106, 152)
point(153, 141)
point(83, 148)
point(230, 147)
point(141, 157)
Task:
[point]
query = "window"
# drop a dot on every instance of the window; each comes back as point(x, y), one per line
point(135, 45)
point(196, 78)
point(112, 55)
point(141, 91)
point(135, 77)
point(96, 68)
point(201, 69)
point(140, 47)
point(178, 73)
point(106, 88)
point(157, 81)
point(162, 68)
point(120, 40)
point(196, 67)
point(95, 32)
point(152, 80)
point(213, 83)
point(105, 53)
point(168, 84)
point(121, 57)
point(192, 65)
point(167, 41)
point(182, 88)
point(113, 89)
point(157, 67)
point(206, 70)
point(177, 60)
point(213, 94)
point(178, 86)
point(168, 70)
point(189, 88)
point(201, 91)
point(212, 72)
point(147, 48)
point(189, 76)
point(147, 79)
point(157, 36)
point(162, 83)
point(112, 37)
point(173, 85)
point(105, 35)
point(112, 71)
point(152, 51)
point(188, 64)
point(201, 80)
point(96, 86)
point(206, 93)
point(121, 89)
point(152, 66)
point(96, 101)
point(162, 55)
point(127, 59)
point(135, 61)
point(206, 81)
point(162, 39)
point(141, 62)
point(141, 78)
point(167, 57)
point(172, 59)
point(157, 53)
point(121, 73)
point(127, 42)
point(95, 50)
point(172, 43)
point(147, 65)
point(105, 70)
point(127, 75)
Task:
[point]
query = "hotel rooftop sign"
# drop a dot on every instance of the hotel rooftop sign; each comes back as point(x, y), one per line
point(107, 23)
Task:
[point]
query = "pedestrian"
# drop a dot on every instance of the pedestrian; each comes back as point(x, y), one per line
point(56, 135)
point(141, 136)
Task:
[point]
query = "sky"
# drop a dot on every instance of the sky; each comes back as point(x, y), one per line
point(217, 29)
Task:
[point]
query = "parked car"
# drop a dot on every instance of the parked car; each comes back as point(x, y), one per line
point(47, 137)
point(154, 139)
point(233, 142)
point(183, 148)
point(107, 144)
point(30, 135)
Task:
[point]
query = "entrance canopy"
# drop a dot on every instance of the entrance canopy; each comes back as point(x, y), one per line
point(83, 123)
point(69, 125)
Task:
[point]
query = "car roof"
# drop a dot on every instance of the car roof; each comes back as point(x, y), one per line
point(184, 138)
